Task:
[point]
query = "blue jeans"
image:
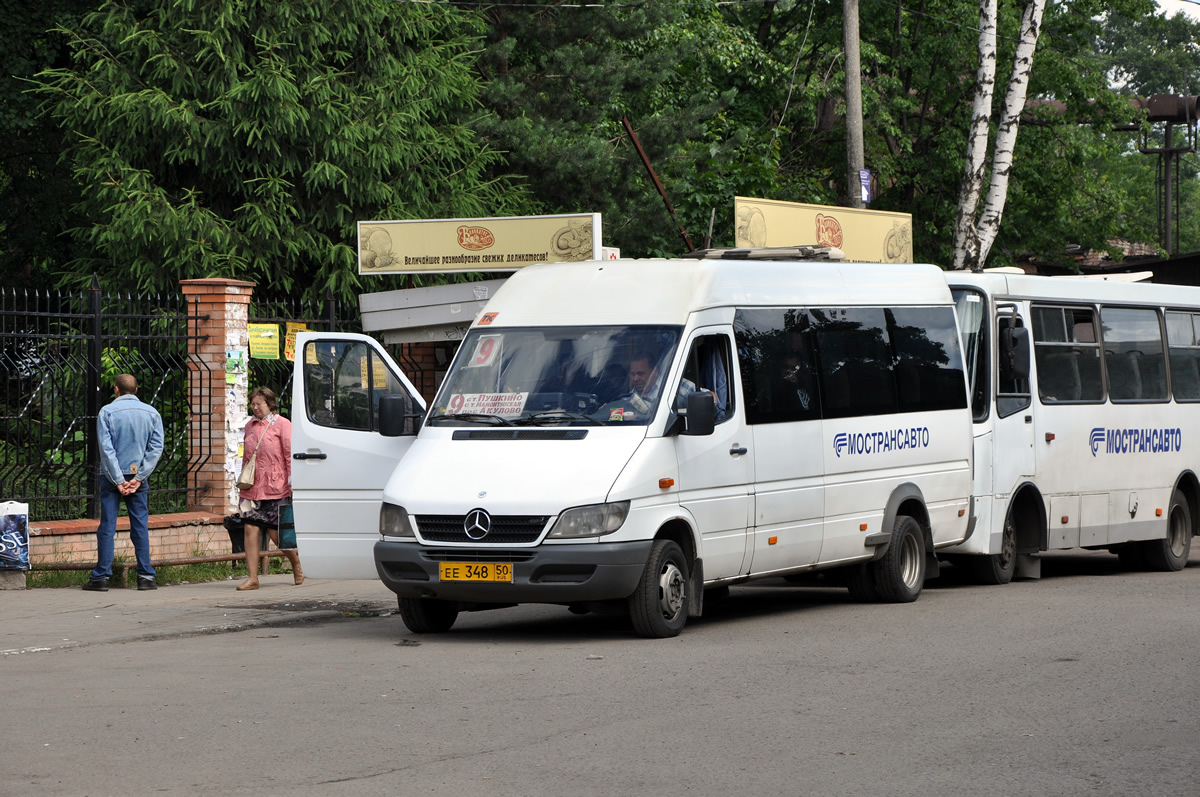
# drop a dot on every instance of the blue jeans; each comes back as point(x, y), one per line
point(138, 505)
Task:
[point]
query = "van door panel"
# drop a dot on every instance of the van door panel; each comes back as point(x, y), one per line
point(789, 496)
point(339, 464)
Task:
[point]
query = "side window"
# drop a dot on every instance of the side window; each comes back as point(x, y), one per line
point(1183, 346)
point(1012, 350)
point(778, 365)
point(343, 382)
point(929, 367)
point(1066, 354)
point(1133, 354)
point(971, 307)
point(708, 368)
point(854, 355)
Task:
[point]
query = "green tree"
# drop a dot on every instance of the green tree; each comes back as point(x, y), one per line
point(245, 138)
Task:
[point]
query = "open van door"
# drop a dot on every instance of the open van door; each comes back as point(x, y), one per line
point(340, 461)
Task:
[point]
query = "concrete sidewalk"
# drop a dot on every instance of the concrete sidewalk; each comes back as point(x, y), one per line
point(37, 620)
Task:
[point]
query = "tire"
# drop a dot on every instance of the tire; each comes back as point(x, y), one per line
point(860, 580)
point(659, 605)
point(1171, 553)
point(900, 574)
point(428, 616)
point(997, 568)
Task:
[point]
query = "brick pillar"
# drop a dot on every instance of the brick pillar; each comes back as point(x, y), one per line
point(225, 304)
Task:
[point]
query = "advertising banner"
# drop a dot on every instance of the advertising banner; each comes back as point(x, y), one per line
point(493, 244)
point(14, 536)
point(867, 236)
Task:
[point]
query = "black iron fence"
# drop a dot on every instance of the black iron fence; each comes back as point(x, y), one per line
point(59, 355)
point(328, 315)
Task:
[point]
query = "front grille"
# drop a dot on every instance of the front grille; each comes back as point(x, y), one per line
point(506, 529)
point(466, 555)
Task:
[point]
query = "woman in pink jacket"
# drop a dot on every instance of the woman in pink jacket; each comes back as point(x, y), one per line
point(269, 437)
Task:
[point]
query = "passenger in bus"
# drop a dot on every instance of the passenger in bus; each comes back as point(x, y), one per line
point(794, 394)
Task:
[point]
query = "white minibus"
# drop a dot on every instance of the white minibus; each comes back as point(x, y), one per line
point(1086, 405)
point(631, 434)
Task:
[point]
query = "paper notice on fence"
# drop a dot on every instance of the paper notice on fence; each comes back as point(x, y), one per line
point(289, 346)
point(264, 341)
point(14, 536)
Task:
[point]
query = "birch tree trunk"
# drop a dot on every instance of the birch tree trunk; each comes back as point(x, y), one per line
point(966, 239)
point(1006, 130)
point(973, 238)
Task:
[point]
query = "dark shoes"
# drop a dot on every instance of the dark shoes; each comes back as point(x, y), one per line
point(146, 583)
point(96, 585)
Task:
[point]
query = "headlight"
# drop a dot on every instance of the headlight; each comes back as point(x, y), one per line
point(590, 521)
point(394, 522)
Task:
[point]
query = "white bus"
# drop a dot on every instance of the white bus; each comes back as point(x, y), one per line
point(631, 434)
point(1085, 396)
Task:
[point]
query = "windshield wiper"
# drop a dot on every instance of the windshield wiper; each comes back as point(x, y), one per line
point(472, 417)
point(553, 416)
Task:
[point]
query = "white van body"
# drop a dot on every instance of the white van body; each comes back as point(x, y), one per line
point(1092, 447)
point(507, 496)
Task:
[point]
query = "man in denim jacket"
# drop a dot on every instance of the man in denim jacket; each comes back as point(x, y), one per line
point(131, 442)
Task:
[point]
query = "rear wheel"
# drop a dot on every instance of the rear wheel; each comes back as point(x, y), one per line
point(659, 605)
point(900, 573)
point(1171, 553)
point(860, 580)
point(428, 616)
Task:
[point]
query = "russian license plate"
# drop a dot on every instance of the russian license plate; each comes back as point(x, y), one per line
point(475, 571)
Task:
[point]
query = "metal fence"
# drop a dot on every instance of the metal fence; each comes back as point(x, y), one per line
point(325, 316)
point(59, 355)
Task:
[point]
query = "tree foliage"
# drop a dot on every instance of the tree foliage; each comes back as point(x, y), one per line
point(245, 138)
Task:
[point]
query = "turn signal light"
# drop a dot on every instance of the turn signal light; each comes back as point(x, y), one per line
point(665, 483)
point(862, 526)
point(1158, 512)
point(772, 540)
point(1066, 519)
point(1049, 436)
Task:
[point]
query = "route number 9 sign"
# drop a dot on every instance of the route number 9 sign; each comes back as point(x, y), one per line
point(486, 351)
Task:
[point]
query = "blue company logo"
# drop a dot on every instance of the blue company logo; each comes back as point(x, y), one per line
point(1135, 441)
point(880, 442)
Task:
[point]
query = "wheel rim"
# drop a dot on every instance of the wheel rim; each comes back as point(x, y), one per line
point(1008, 545)
point(1179, 531)
point(671, 591)
point(910, 568)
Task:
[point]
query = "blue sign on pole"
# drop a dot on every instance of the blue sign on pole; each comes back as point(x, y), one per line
point(864, 181)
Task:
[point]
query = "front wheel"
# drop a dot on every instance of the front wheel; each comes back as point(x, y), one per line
point(659, 605)
point(428, 616)
point(997, 568)
point(900, 573)
point(1171, 553)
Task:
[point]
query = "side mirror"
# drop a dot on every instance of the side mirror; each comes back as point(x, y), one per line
point(701, 416)
point(1014, 353)
point(394, 414)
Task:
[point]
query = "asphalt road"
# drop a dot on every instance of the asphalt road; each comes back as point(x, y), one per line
point(1082, 683)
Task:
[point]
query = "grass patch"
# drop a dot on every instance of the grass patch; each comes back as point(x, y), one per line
point(165, 574)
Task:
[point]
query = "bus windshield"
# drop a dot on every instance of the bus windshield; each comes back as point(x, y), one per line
point(551, 376)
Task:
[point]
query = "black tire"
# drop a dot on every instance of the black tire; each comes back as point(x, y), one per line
point(428, 616)
point(997, 568)
point(1171, 553)
point(659, 605)
point(860, 580)
point(900, 573)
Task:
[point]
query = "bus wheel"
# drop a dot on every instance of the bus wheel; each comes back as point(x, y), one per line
point(998, 568)
point(900, 574)
point(860, 580)
point(1171, 552)
point(659, 605)
point(428, 616)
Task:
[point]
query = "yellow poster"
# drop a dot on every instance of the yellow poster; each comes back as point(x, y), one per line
point(379, 380)
point(492, 244)
point(866, 236)
point(289, 345)
point(264, 341)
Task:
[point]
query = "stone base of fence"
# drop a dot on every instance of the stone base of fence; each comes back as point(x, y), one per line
point(172, 536)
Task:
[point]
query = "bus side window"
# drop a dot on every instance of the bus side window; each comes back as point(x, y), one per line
point(1183, 341)
point(1066, 354)
point(1012, 389)
point(1133, 354)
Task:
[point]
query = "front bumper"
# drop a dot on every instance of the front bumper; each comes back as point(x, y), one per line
point(546, 574)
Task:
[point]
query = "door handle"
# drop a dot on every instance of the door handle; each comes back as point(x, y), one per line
point(302, 455)
point(736, 451)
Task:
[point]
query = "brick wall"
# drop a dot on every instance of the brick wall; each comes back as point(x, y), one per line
point(172, 536)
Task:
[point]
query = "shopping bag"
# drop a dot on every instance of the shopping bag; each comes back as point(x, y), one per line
point(14, 536)
point(287, 528)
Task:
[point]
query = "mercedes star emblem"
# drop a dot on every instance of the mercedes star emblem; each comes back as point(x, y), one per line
point(477, 524)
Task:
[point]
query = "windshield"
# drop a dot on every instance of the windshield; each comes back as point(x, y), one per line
point(548, 376)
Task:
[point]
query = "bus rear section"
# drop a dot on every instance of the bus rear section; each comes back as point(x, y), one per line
point(1084, 404)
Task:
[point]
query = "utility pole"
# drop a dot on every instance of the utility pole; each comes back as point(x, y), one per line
point(854, 119)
